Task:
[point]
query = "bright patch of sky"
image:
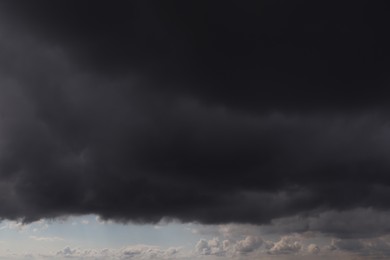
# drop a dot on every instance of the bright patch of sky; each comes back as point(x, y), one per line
point(90, 231)
point(88, 237)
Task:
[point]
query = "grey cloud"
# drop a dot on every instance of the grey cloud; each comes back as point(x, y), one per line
point(348, 244)
point(354, 223)
point(313, 249)
point(373, 248)
point(229, 247)
point(76, 143)
point(207, 132)
point(202, 247)
point(130, 252)
point(249, 244)
point(282, 55)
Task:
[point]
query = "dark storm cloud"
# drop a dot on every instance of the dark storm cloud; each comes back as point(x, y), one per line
point(252, 54)
point(201, 111)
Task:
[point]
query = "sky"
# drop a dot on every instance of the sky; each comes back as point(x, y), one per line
point(194, 129)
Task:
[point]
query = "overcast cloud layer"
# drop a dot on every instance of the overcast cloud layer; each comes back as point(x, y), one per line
point(206, 111)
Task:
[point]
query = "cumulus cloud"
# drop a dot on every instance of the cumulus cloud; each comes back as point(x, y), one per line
point(287, 247)
point(247, 245)
point(290, 244)
point(203, 247)
point(228, 247)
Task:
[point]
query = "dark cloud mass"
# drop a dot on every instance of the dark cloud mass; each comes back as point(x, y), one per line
point(209, 111)
point(252, 54)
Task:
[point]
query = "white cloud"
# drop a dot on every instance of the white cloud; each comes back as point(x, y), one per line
point(85, 222)
point(249, 244)
point(290, 244)
point(228, 247)
point(46, 239)
point(23, 227)
point(14, 225)
point(136, 252)
point(101, 221)
point(202, 247)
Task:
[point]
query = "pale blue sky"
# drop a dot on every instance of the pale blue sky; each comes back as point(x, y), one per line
point(90, 232)
point(87, 237)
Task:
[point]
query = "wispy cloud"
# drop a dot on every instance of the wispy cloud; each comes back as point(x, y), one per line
point(46, 239)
